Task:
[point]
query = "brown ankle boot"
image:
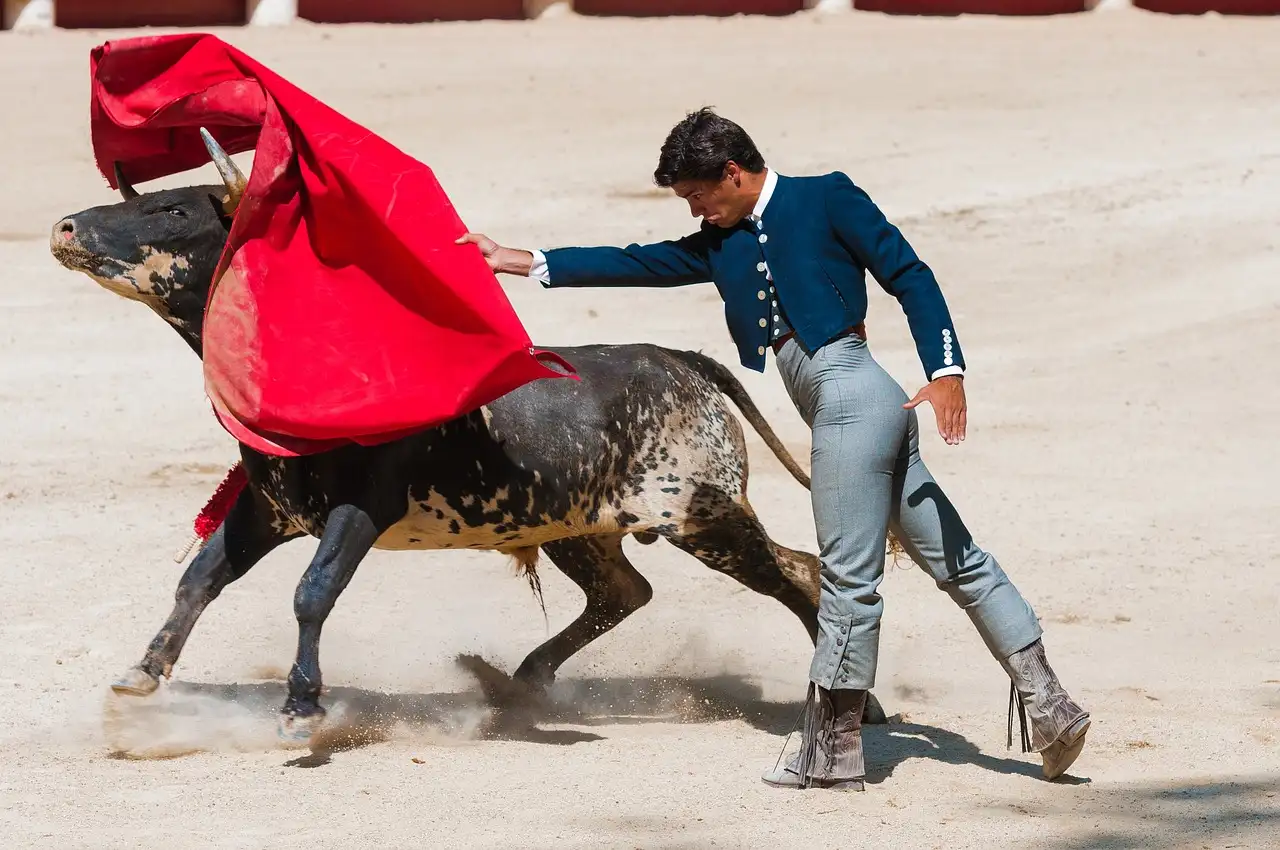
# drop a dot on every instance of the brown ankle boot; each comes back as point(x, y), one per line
point(831, 752)
point(1058, 724)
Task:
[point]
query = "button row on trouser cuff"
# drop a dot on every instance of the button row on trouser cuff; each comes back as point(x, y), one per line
point(836, 653)
point(845, 671)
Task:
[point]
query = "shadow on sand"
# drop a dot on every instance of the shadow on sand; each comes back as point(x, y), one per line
point(186, 717)
point(1239, 812)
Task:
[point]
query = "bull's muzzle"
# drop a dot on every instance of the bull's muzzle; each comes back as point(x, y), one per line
point(64, 231)
point(64, 243)
point(64, 238)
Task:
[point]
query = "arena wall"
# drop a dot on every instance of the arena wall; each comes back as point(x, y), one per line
point(1017, 8)
point(662, 8)
point(108, 14)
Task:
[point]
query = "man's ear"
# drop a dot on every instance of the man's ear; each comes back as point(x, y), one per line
point(734, 173)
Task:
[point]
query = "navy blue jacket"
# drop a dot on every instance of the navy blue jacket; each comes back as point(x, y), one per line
point(819, 236)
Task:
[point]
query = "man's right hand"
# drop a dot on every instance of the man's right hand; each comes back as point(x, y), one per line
point(501, 260)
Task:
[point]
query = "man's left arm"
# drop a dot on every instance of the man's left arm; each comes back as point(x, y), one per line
point(885, 252)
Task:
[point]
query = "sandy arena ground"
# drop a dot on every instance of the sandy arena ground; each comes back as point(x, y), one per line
point(1100, 197)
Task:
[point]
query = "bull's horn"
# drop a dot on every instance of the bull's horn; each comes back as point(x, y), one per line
point(231, 175)
point(126, 188)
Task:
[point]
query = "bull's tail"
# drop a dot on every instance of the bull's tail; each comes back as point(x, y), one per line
point(724, 380)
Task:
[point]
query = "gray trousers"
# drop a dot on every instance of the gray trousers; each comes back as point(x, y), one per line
point(867, 477)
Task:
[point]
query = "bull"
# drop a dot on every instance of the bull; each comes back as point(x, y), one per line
point(644, 445)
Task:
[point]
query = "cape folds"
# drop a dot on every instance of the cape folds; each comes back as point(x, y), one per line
point(341, 310)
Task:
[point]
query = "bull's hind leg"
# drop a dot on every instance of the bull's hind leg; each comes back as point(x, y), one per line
point(243, 539)
point(614, 590)
point(728, 538)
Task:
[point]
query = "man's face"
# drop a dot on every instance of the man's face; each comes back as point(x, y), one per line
point(723, 202)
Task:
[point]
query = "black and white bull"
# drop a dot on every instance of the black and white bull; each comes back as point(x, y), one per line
point(644, 445)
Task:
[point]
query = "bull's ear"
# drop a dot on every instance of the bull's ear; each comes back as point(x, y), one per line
point(231, 175)
point(219, 204)
point(126, 188)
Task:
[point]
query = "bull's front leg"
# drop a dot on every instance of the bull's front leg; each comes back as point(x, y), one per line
point(245, 537)
point(349, 534)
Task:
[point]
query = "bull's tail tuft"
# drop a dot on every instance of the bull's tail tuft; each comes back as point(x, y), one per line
point(724, 380)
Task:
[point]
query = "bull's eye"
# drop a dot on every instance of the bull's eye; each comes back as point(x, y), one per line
point(179, 212)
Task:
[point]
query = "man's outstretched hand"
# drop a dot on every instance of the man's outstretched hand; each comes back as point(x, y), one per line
point(501, 260)
point(946, 395)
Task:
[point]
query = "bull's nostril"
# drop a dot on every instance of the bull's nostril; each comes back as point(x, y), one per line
point(67, 228)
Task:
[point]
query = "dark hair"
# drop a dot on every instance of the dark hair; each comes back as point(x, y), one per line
point(700, 146)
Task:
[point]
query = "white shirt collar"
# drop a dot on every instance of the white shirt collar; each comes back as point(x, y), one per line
point(766, 192)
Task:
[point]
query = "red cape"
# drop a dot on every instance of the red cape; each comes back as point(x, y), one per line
point(341, 310)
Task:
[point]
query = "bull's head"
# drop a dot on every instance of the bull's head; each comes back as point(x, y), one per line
point(160, 248)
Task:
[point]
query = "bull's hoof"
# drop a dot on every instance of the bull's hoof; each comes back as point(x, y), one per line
point(516, 702)
point(298, 730)
point(136, 682)
point(873, 713)
point(501, 690)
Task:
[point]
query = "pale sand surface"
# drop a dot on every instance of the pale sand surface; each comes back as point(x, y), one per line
point(1099, 195)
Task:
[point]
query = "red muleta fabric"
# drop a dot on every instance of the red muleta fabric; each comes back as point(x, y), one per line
point(341, 310)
